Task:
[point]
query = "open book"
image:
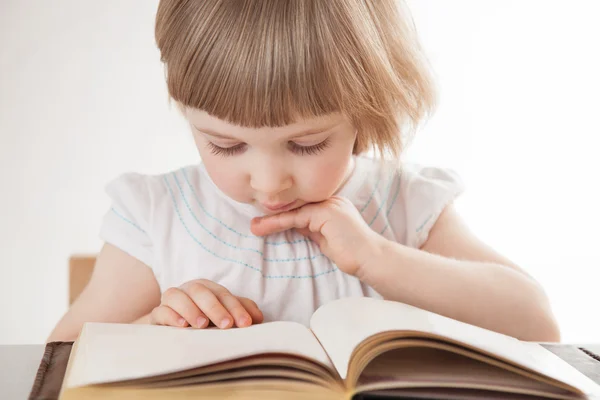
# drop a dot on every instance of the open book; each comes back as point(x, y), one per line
point(353, 346)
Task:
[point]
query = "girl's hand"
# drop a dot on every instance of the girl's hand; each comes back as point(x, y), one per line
point(335, 225)
point(200, 301)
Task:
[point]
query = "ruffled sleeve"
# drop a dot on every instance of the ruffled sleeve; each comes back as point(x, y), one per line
point(126, 224)
point(424, 193)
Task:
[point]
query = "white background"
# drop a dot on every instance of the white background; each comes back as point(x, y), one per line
point(82, 99)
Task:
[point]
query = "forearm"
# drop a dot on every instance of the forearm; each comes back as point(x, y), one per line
point(145, 320)
point(69, 327)
point(488, 295)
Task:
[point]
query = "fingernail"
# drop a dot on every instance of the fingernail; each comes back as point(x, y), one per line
point(244, 320)
point(200, 322)
point(181, 321)
point(224, 323)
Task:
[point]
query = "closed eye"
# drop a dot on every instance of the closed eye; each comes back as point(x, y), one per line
point(293, 147)
point(309, 150)
point(226, 151)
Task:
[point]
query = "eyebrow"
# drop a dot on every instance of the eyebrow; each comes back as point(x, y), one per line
point(307, 132)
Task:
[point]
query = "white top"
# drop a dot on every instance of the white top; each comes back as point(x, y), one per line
point(183, 227)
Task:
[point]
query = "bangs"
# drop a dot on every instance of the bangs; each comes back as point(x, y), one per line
point(272, 63)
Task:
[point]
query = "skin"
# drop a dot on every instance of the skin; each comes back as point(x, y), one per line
point(306, 162)
point(299, 168)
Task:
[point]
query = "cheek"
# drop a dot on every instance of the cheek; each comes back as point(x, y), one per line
point(226, 175)
point(325, 177)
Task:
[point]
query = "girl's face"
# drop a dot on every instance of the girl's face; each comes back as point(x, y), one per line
point(276, 169)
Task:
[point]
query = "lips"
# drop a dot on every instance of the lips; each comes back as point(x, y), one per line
point(278, 206)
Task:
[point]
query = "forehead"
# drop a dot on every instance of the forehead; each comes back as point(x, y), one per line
point(205, 122)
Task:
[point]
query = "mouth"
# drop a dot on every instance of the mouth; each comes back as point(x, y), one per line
point(279, 207)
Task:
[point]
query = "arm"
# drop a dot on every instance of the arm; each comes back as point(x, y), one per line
point(456, 275)
point(121, 289)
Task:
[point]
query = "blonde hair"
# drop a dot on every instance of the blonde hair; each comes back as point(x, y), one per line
point(258, 63)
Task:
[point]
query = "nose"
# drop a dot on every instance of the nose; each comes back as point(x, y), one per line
point(270, 179)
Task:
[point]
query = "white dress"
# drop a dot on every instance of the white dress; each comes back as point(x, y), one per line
point(183, 227)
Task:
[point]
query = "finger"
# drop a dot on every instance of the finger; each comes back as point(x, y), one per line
point(234, 306)
point(240, 315)
point(298, 218)
point(181, 303)
point(253, 310)
point(210, 305)
point(165, 315)
point(238, 310)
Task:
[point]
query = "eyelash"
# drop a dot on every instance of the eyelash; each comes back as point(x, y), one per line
point(294, 147)
point(226, 151)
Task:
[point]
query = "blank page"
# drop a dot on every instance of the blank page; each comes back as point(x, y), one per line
point(114, 352)
point(343, 324)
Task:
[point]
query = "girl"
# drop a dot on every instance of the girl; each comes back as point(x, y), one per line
point(285, 212)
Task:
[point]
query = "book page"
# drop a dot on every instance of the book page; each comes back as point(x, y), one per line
point(405, 366)
point(115, 352)
point(343, 324)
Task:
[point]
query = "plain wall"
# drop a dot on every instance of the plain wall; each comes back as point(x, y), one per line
point(83, 99)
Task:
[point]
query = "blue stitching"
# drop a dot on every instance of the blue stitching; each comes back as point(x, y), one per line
point(423, 224)
point(388, 189)
point(372, 194)
point(229, 228)
point(232, 260)
point(395, 195)
point(234, 246)
point(387, 214)
point(126, 220)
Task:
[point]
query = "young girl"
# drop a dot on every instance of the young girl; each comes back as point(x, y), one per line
point(286, 212)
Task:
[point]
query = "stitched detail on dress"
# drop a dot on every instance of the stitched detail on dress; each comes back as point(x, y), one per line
point(387, 191)
point(274, 260)
point(231, 259)
point(127, 220)
point(209, 215)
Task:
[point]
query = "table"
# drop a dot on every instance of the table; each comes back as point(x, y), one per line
point(18, 366)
